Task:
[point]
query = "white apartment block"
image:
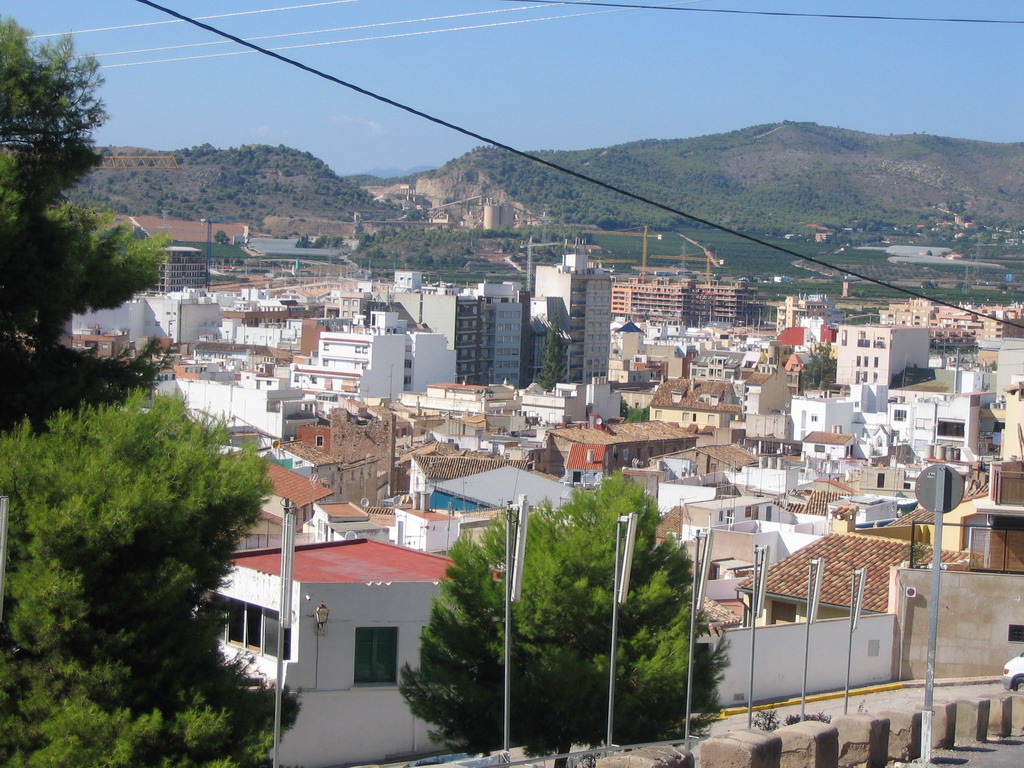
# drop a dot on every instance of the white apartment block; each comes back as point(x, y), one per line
point(580, 298)
point(381, 360)
point(873, 354)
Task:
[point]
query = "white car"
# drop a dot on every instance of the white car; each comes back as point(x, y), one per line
point(1013, 673)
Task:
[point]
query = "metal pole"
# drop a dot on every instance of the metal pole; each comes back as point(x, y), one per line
point(933, 630)
point(284, 616)
point(615, 637)
point(755, 611)
point(507, 720)
point(702, 553)
point(4, 502)
point(814, 571)
point(849, 647)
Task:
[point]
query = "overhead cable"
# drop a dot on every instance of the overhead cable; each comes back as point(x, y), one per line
point(567, 171)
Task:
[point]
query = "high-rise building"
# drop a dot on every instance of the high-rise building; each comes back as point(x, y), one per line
point(184, 267)
point(579, 298)
point(687, 302)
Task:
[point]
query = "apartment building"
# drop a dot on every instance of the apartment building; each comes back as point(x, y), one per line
point(577, 296)
point(687, 301)
point(957, 324)
point(873, 354)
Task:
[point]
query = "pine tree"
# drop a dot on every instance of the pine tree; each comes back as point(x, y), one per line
point(561, 635)
point(122, 521)
point(552, 369)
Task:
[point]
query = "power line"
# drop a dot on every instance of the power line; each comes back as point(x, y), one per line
point(325, 31)
point(782, 14)
point(562, 169)
point(179, 21)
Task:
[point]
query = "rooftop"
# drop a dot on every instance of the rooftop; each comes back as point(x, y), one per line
point(355, 561)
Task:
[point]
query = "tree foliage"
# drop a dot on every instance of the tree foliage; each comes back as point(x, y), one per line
point(820, 370)
point(122, 520)
point(562, 634)
point(55, 258)
point(552, 361)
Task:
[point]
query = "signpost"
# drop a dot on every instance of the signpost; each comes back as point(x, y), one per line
point(939, 489)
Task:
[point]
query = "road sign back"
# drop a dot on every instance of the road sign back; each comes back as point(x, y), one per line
point(939, 488)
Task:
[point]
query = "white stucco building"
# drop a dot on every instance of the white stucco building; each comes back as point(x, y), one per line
point(381, 360)
point(345, 671)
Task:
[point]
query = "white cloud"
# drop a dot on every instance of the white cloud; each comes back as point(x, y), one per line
point(370, 127)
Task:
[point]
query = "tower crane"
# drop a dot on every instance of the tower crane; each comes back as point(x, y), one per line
point(126, 162)
point(710, 260)
point(643, 252)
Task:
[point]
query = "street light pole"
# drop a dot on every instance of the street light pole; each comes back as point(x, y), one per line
point(621, 589)
point(284, 616)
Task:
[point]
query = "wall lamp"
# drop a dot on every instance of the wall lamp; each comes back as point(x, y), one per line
point(321, 613)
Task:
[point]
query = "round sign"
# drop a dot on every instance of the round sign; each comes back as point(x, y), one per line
point(939, 488)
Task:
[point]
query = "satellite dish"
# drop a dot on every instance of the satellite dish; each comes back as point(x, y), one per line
point(349, 535)
point(598, 421)
point(364, 502)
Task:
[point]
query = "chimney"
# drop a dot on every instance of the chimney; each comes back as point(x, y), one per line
point(590, 455)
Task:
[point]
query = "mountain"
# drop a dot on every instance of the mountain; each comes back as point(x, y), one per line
point(770, 178)
point(252, 183)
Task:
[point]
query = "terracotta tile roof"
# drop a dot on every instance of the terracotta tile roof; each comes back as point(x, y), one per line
point(671, 524)
point(837, 484)
point(611, 434)
point(920, 516)
point(296, 487)
point(733, 455)
point(818, 501)
point(578, 457)
point(829, 438)
point(716, 613)
point(843, 554)
point(755, 379)
point(687, 394)
point(451, 467)
point(309, 453)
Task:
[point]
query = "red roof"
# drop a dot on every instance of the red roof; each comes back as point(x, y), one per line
point(298, 488)
point(578, 456)
point(793, 336)
point(352, 561)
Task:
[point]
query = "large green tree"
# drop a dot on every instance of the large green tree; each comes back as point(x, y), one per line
point(561, 635)
point(56, 258)
point(122, 521)
point(552, 361)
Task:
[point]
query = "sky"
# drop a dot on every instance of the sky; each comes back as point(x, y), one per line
point(535, 76)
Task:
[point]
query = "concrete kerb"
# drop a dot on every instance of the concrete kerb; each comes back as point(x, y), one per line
point(810, 699)
point(809, 745)
point(904, 734)
point(863, 741)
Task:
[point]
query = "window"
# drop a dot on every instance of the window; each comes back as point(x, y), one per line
point(255, 628)
point(1016, 633)
point(376, 655)
point(880, 480)
point(899, 415)
point(319, 441)
point(819, 448)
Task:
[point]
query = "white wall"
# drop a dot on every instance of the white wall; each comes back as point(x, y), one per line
point(779, 659)
point(675, 494)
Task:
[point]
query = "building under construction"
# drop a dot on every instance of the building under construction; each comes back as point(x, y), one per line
point(687, 302)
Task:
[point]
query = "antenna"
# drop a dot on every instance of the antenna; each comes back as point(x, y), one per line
point(627, 555)
point(519, 551)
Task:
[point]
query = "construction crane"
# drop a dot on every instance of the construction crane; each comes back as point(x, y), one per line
point(530, 245)
point(710, 260)
point(643, 253)
point(125, 162)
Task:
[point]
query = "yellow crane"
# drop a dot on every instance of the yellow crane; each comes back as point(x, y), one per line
point(643, 253)
point(123, 162)
point(710, 260)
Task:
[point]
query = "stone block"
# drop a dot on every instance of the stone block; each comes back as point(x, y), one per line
point(647, 757)
point(904, 734)
point(1017, 710)
point(809, 744)
point(972, 721)
point(943, 724)
point(1000, 714)
point(741, 749)
point(863, 741)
